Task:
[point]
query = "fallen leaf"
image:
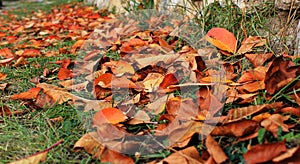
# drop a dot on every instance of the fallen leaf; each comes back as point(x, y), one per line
point(28, 95)
point(251, 42)
point(168, 80)
point(64, 73)
point(264, 152)
point(237, 129)
point(275, 121)
point(258, 59)
point(109, 115)
point(38, 157)
point(2, 76)
point(140, 117)
point(222, 39)
point(89, 143)
point(279, 74)
point(291, 110)
point(121, 67)
point(239, 113)
point(31, 53)
point(153, 60)
point(188, 155)
point(6, 53)
point(58, 95)
point(290, 156)
point(215, 150)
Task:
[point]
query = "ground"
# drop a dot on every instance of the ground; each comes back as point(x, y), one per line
point(36, 51)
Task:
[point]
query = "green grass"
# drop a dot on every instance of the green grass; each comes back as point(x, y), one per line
point(23, 8)
point(24, 135)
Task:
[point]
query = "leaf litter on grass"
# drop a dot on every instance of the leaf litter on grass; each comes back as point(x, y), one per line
point(149, 82)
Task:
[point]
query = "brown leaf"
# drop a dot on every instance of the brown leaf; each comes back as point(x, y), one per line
point(188, 155)
point(215, 150)
point(120, 67)
point(252, 87)
point(237, 129)
point(222, 39)
point(258, 74)
point(251, 42)
point(274, 122)
point(264, 152)
point(89, 143)
point(59, 95)
point(140, 117)
point(76, 45)
point(3, 86)
point(280, 73)
point(291, 156)
point(182, 134)
point(291, 110)
point(239, 113)
point(38, 157)
point(153, 60)
point(258, 59)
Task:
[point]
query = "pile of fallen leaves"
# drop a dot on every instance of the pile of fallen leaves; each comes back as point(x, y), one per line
point(154, 85)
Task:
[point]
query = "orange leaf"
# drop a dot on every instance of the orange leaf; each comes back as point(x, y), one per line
point(6, 53)
point(264, 152)
point(28, 95)
point(103, 80)
point(109, 115)
point(2, 34)
point(222, 39)
point(111, 156)
point(76, 45)
point(64, 73)
point(31, 53)
point(2, 76)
